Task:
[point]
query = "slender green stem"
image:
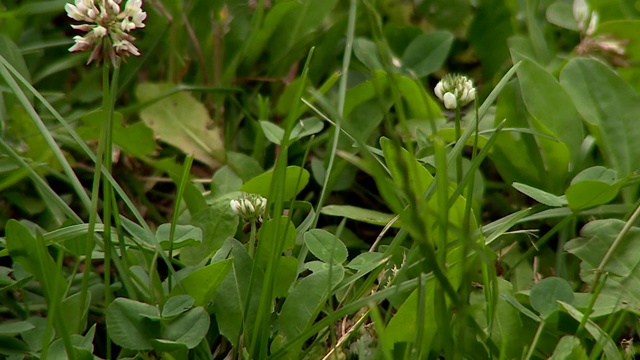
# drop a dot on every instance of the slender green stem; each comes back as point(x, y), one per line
point(252, 238)
point(95, 188)
point(107, 191)
point(536, 338)
point(459, 157)
point(186, 170)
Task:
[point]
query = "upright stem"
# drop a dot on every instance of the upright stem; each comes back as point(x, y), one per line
point(95, 191)
point(459, 158)
point(252, 238)
point(107, 191)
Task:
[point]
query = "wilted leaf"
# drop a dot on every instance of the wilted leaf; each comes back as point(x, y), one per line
point(182, 121)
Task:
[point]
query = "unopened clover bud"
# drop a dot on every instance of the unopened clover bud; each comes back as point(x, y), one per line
point(455, 91)
point(450, 101)
point(249, 207)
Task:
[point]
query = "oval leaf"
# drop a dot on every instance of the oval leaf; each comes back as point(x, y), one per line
point(545, 295)
point(296, 178)
point(427, 52)
point(326, 246)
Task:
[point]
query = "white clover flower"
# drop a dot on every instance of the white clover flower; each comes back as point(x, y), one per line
point(455, 91)
point(249, 207)
point(107, 28)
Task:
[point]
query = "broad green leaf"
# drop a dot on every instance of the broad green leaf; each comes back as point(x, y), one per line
point(342, 176)
point(36, 336)
point(12, 328)
point(136, 139)
point(176, 305)
point(596, 173)
point(231, 296)
point(244, 165)
point(364, 92)
point(427, 52)
point(421, 104)
point(224, 181)
point(315, 266)
point(516, 154)
point(544, 296)
point(551, 106)
point(218, 223)
point(82, 346)
point(326, 246)
point(569, 348)
point(75, 321)
point(540, 196)
point(366, 51)
point(360, 214)
point(304, 302)
point(138, 232)
point(272, 132)
point(201, 284)
point(33, 256)
point(189, 328)
point(488, 32)
point(590, 193)
point(296, 179)
point(285, 275)
point(524, 310)
point(268, 240)
point(561, 14)
point(610, 349)
point(606, 304)
point(611, 109)
point(403, 327)
point(182, 121)
point(10, 345)
point(399, 36)
point(129, 326)
point(510, 330)
point(365, 260)
point(185, 235)
point(306, 127)
point(596, 239)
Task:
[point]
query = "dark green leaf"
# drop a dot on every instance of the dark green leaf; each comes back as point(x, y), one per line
point(326, 246)
point(176, 305)
point(296, 179)
point(426, 53)
point(129, 326)
point(545, 295)
point(202, 283)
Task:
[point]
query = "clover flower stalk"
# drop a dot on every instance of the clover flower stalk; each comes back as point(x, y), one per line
point(250, 207)
point(107, 28)
point(107, 35)
point(456, 91)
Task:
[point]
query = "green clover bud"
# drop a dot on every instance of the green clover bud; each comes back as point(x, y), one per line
point(249, 206)
point(455, 91)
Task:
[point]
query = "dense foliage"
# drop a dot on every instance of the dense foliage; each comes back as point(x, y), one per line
point(284, 179)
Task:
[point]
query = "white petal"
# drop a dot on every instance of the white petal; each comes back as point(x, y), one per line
point(438, 90)
point(450, 101)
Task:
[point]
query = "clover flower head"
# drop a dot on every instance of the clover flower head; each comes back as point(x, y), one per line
point(455, 91)
point(249, 206)
point(107, 28)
